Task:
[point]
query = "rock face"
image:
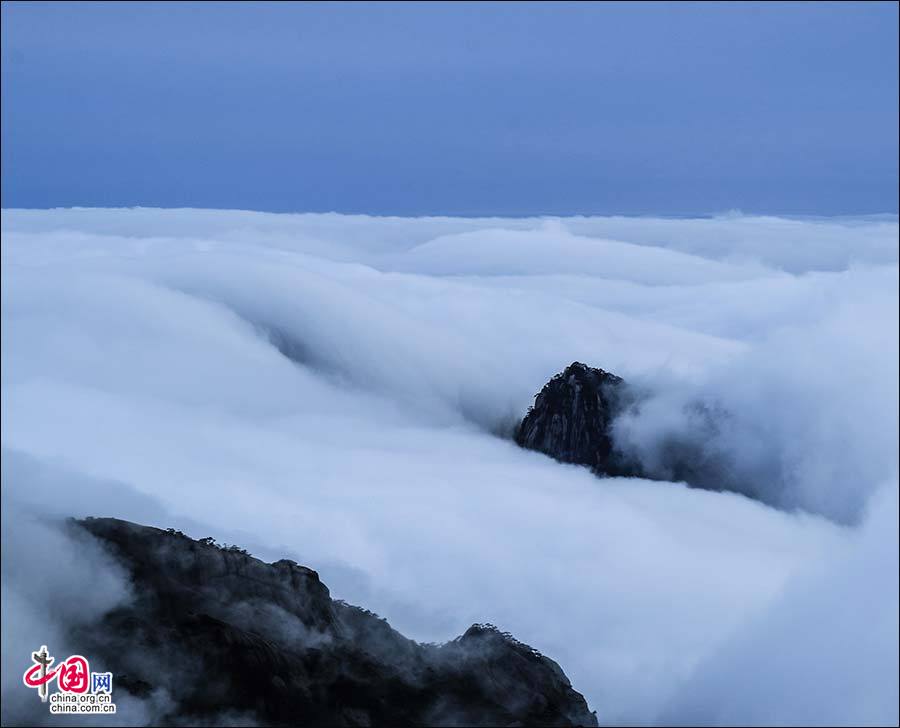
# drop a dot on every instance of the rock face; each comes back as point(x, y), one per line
point(227, 638)
point(571, 417)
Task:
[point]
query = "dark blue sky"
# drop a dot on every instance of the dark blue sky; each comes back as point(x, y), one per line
point(459, 109)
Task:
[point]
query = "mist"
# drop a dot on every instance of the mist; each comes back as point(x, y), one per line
point(339, 390)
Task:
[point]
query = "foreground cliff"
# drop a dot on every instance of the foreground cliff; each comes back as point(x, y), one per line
point(225, 636)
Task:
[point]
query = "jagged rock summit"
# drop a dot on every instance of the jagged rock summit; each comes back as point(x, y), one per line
point(571, 418)
point(214, 636)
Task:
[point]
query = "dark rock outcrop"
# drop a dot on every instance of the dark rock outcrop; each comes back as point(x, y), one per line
point(571, 419)
point(224, 636)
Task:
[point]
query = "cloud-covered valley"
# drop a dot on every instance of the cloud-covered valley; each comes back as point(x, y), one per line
point(340, 390)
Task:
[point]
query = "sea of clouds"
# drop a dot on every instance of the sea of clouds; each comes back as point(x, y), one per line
point(340, 390)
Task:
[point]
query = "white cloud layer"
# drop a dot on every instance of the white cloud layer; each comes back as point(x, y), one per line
point(335, 389)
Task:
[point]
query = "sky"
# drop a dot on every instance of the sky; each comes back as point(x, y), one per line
point(459, 109)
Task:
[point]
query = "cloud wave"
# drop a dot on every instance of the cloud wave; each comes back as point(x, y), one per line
point(335, 389)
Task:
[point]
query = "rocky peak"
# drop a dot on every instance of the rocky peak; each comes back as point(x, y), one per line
point(571, 419)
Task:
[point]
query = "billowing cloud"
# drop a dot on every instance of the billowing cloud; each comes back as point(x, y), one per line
point(336, 390)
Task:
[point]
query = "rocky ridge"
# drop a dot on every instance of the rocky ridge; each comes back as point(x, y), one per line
point(224, 636)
